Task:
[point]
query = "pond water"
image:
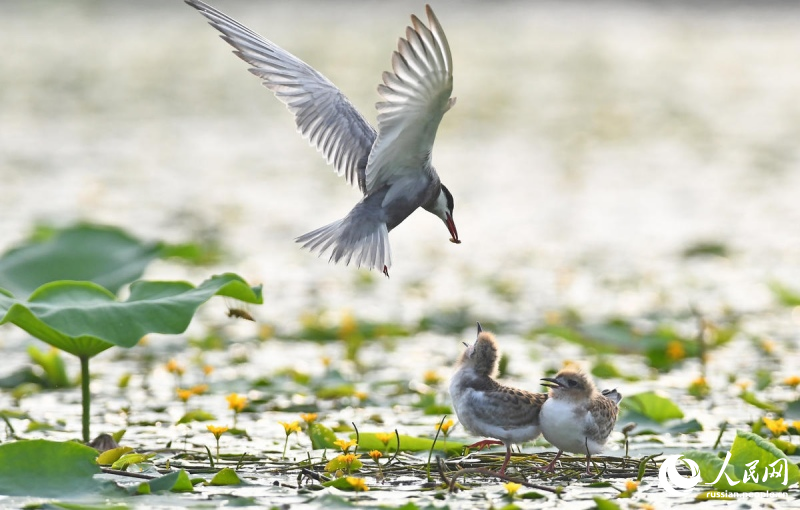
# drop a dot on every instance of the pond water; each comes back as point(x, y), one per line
point(592, 144)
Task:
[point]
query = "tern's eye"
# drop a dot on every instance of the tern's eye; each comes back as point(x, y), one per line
point(572, 383)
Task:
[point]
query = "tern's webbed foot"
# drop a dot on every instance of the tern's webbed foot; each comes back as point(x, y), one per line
point(480, 445)
point(550, 468)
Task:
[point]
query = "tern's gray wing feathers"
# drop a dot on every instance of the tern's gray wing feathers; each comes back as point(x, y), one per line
point(416, 96)
point(323, 115)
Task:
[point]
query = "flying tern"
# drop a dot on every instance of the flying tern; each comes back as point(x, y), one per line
point(391, 165)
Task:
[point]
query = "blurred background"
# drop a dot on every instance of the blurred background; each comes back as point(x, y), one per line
point(595, 147)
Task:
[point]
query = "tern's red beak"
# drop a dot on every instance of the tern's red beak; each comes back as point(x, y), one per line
point(451, 226)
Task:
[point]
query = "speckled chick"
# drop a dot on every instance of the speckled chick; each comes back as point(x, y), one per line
point(576, 417)
point(487, 408)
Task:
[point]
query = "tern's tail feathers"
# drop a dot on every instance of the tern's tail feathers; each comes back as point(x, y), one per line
point(364, 243)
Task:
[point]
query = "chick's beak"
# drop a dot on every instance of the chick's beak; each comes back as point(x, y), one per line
point(451, 226)
point(551, 382)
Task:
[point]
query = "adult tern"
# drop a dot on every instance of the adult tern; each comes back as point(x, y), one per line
point(391, 165)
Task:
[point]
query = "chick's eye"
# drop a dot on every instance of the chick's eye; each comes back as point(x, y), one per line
point(572, 383)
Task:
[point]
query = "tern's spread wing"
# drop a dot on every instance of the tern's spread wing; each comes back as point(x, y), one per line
point(323, 114)
point(416, 96)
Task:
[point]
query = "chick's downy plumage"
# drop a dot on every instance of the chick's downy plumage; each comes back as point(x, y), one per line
point(576, 417)
point(487, 408)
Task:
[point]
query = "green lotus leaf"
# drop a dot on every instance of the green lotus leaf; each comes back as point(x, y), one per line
point(226, 476)
point(196, 415)
point(109, 457)
point(652, 406)
point(130, 459)
point(107, 256)
point(369, 441)
point(752, 457)
point(84, 319)
point(338, 463)
point(40, 468)
point(605, 504)
point(321, 436)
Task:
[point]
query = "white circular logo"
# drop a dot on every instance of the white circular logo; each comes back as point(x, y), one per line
point(668, 476)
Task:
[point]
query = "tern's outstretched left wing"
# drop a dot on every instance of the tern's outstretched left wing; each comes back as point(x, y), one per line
point(324, 116)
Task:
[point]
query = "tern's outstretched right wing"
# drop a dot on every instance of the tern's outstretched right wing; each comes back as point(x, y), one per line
point(324, 116)
point(416, 96)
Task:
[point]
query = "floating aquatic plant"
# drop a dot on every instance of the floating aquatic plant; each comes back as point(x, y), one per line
point(84, 319)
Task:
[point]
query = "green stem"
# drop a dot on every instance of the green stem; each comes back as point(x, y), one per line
point(430, 453)
point(86, 398)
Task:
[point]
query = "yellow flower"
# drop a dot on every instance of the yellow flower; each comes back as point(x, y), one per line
point(552, 317)
point(360, 395)
point(675, 350)
point(174, 368)
point(236, 402)
point(777, 427)
point(744, 384)
point(265, 332)
point(343, 464)
point(796, 425)
point(199, 389)
point(309, 418)
point(375, 454)
point(184, 395)
point(431, 377)
point(699, 387)
point(290, 428)
point(345, 444)
point(768, 346)
point(512, 488)
point(445, 427)
point(383, 437)
point(207, 369)
point(631, 485)
point(326, 361)
point(217, 431)
point(792, 380)
point(358, 484)
point(348, 326)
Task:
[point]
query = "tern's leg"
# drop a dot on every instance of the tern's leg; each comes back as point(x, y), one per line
point(508, 458)
point(588, 456)
point(552, 466)
point(386, 271)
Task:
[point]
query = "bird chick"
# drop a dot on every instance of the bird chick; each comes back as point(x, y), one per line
point(487, 408)
point(576, 417)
